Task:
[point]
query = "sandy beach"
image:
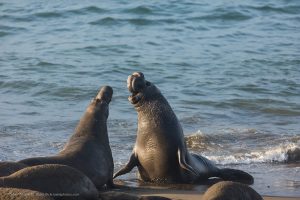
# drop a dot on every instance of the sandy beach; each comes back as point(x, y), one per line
point(183, 194)
point(177, 192)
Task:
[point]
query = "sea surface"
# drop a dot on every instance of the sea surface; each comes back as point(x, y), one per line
point(229, 69)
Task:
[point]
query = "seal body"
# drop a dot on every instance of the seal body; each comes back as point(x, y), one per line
point(58, 181)
point(227, 190)
point(88, 148)
point(7, 168)
point(160, 151)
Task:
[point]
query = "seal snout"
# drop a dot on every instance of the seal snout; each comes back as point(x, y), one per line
point(136, 82)
point(105, 94)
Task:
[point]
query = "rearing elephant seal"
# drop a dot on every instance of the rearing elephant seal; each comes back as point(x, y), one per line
point(88, 149)
point(160, 151)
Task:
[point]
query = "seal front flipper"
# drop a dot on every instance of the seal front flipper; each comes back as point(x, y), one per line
point(133, 161)
point(183, 164)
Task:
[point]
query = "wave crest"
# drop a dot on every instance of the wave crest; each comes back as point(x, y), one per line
point(245, 147)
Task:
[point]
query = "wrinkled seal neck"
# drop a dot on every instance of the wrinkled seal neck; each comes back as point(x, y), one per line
point(148, 98)
point(153, 107)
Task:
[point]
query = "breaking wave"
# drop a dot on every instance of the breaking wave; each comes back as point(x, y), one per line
point(242, 147)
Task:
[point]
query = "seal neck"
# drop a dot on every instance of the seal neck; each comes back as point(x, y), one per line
point(94, 121)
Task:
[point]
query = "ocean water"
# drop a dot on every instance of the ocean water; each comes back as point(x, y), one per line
point(229, 69)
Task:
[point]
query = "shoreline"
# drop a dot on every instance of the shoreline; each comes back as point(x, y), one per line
point(179, 194)
point(189, 195)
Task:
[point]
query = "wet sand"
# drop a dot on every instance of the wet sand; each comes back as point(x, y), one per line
point(191, 195)
point(181, 194)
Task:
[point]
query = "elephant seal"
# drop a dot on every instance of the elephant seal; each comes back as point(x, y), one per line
point(7, 168)
point(88, 148)
point(160, 152)
point(227, 190)
point(58, 181)
point(22, 194)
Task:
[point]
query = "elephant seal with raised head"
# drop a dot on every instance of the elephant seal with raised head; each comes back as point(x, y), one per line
point(160, 152)
point(57, 181)
point(88, 149)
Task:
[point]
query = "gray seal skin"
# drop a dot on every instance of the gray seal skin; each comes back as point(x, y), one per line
point(160, 152)
point(58, 181)
point(88, 148)
point(227, 190)
point(7, 168)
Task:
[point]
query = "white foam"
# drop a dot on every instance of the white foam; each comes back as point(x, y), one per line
point(268, 155)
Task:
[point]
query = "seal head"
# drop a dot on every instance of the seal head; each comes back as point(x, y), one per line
point(105, 94)
point(140, 88)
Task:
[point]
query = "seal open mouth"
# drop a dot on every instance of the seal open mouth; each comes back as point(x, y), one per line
point(136, 83)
